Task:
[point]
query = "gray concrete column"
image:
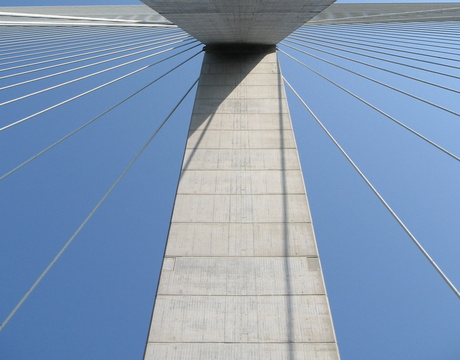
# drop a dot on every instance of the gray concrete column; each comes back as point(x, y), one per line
point(241, 278)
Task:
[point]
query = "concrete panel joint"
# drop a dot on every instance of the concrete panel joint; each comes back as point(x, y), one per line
point(241, 278)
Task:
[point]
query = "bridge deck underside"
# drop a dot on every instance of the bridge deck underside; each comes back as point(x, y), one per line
point(235, 21)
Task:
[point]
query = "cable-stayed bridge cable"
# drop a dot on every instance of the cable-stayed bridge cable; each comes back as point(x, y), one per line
point(99, 50)
point(412, 37)
point(169, 41)
point(4, 176)
point(69, 48)
point(95, 45)
point(92, 212)
point(382, 39)
point(377, 16)
point(382, 200)
point(86, 92)
point(101, 24)
point(377, 81)
point(98, 72)
point(413, 33)
point(375, 108)
point(377, 67)
point(341, 40)
point(68, 17)
point(52, 35)
point(385, 60)
point(416, 28)
point(40, 39)
point(92, 64)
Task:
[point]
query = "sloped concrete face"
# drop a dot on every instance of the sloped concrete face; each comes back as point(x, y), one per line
point(239, 21)
point(241, 278)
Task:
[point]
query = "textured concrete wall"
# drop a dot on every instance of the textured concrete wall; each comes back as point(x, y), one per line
point(237, 21)
point(241, 278)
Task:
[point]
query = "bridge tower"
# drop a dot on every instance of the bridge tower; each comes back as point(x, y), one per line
point(241, 277)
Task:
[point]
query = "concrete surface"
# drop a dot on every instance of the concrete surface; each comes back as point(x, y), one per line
point(236, 21)
point(241, 278)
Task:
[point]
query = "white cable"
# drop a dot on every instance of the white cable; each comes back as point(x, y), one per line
point(81, 39)
point(120, 41)
point(67, 17)
point(153, 41)
point(4, 176)
point(32, 23)
point(82, 94)
point(90, 215)
point(374, 190)
point(365, 17)
point(378, 82)
point(94, 73)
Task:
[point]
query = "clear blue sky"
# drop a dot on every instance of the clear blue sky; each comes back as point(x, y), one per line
point(387, 302)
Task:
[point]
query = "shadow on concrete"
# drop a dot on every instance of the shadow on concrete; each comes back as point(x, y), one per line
point(225, 66)
point(286, 237)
